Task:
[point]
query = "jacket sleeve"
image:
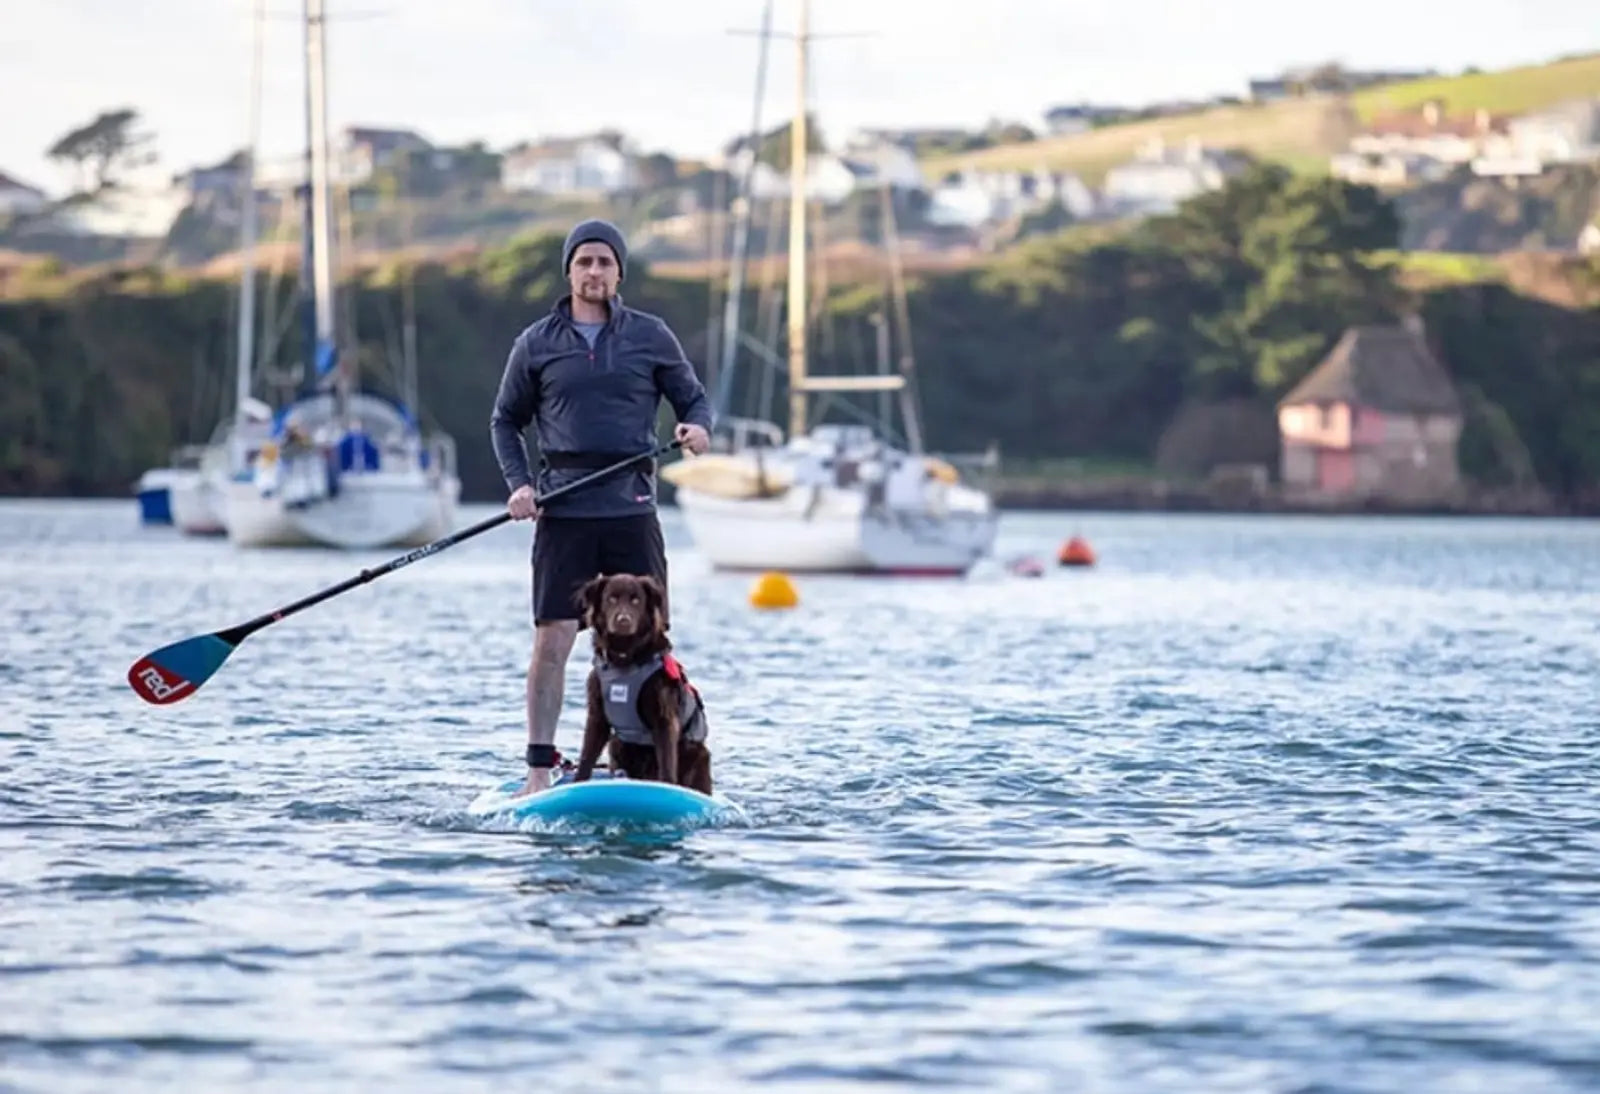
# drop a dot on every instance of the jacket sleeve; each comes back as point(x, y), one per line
point(675, 378)
point(514, 408)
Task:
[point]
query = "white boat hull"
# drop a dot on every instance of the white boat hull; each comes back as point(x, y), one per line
point(198, 505)
point(823, 530)
point(371, 510)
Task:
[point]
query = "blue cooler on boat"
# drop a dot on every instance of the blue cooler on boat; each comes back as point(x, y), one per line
point(154, 492)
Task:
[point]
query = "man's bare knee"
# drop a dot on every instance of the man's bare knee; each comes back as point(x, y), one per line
point(552, 645)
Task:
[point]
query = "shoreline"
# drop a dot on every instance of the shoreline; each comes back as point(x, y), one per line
point(1162, 497)
point(1157, 497)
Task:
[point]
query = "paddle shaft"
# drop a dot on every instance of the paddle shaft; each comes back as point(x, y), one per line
point(235, 635)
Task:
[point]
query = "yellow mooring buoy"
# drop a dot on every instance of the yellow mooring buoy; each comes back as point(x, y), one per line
point(773, 590)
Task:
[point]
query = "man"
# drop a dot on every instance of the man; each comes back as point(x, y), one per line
point(589, 376)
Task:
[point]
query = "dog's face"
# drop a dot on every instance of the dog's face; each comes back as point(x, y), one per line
point(624, 610)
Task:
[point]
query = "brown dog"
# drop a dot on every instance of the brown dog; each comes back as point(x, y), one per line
point(640, 702)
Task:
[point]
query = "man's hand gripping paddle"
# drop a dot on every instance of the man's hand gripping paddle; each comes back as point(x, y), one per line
point(175, 672)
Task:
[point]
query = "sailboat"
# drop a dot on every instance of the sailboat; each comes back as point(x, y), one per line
point(832, 498)
point(341, 467)
point(199, 498)
point(193, 486)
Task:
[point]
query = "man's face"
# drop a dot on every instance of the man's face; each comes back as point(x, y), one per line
point(594, 274)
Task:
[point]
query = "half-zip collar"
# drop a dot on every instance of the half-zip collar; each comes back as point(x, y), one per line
point(563, 311)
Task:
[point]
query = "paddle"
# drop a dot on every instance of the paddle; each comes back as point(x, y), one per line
point(175, 672)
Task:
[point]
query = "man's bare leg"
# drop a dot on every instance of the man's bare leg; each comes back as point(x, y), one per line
point(547, 671)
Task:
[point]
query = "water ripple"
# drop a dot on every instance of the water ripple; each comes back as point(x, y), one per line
point(1256, 804)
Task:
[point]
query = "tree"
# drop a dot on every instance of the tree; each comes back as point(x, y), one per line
point(774, 148)
point(1280, 264)
point(526, 268)
point(104, 149)
point(657, 171)
point(1000, 132)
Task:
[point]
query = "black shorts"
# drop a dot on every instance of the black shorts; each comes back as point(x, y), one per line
point(567, 551)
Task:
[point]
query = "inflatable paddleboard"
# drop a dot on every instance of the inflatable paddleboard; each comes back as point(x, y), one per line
point(606, 800)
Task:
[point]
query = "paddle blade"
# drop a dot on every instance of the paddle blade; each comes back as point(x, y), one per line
point(174, 672)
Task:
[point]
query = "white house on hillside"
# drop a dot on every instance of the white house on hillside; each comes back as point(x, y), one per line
point(971, 197)
point(17, 197)
point(962, 202)
point(1430, 134)
point(219, 180)
point(1161, 177)
point(1066, 121)
point(829, 179)
point(1075, 196)
point(568, 166)
point(364, 150)
point(281, 174)
point(1566, 133)
point(1411, 146)
point(1386, 170)
point(126, 212)
point(884, 161)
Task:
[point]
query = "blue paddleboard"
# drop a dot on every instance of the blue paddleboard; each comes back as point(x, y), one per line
point(607, 800)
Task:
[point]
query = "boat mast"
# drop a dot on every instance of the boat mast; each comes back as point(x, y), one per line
point(799, 382)
point(247, 232)
point(797, 236)
point(741, 231)
point(327, 351)
point(897, 281)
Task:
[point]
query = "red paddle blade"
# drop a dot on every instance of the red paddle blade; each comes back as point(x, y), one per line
point(175, 672)
point(155, 684)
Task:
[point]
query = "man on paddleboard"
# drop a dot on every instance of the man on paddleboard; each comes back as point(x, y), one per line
point(589, 376)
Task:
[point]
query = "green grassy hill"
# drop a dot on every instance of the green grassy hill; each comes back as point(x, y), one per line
point(1510, 91)
point(1300, 132)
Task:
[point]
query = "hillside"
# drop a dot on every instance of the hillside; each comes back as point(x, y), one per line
point(1565, 281)
point(1509, 91)
point(1486, 215)
point(1121, 348)
point(1297, 132)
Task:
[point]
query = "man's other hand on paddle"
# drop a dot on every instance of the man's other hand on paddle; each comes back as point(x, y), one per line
point(693, 437)
point(521, 504)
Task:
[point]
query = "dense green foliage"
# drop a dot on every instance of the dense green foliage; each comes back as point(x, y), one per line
point(1071, 345)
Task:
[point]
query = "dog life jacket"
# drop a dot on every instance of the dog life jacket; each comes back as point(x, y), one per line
point(619, 690)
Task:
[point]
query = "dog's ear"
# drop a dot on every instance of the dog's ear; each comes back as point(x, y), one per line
point(655, 602)
point(589, 594)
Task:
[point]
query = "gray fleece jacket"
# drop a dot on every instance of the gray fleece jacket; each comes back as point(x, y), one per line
point(592, 407)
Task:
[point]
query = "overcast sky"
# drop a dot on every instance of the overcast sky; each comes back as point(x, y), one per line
point(668, 73)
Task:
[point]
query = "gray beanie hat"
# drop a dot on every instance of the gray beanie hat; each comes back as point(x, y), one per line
point(595, 231)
